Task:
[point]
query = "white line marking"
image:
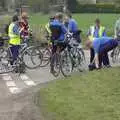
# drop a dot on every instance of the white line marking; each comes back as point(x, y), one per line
point(4, 74)
point(10, 84)
point(7, 78)
point(24, 77)
point(30, 83)
point(14, 90)
point(27, 80)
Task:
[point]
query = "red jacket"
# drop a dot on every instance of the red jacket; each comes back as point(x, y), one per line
point(24, 24)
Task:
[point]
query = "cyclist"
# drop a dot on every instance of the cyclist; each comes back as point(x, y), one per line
point(14, 35)
point(72, 27)
point(101, 47)
point(58, 31)
point(117, 33)
point(117, 29)
point(25, 25)
point(48, 31)
point(95, 31)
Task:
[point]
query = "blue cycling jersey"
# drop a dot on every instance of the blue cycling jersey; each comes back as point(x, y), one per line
point(63, 29)
point(99, 42)
point(72, 26)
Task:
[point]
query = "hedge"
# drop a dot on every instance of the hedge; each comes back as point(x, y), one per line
point(96, 8)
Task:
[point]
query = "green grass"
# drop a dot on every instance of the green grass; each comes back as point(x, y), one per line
point(91, 96)
point(84, 20)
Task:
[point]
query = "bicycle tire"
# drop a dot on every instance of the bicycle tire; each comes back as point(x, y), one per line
point(55, 61)
point(81, 60)
point(46, 57)
point(116, 55)
point(5, 71)
point(66, 64)
point(32, 63)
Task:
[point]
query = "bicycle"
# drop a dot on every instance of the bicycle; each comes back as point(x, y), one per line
point(31, 56)
point(19, 65)
point(116, 55)
point(5, 63)
point(69, 58)
point(76, 58)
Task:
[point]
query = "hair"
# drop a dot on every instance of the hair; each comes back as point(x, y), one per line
point(51, 17)
point(69, 15)
point(59, 16)
point(15, 18)
point(97, 20)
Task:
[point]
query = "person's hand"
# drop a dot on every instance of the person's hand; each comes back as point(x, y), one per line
point(21, 29)
point(97, 66)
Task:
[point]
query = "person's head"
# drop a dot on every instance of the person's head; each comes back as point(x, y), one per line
point(24, 16)
point(59, 16)
point(51, 18)
point(97, 22)
point(15, 18)
point(66, 19)
point(69, 16)
point(89, 44)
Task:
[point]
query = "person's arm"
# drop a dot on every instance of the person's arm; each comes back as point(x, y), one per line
point(89, 32)
point(96, 46)
point(17, 30)
point(96, 60)
point(104, 33)
point(70, 26)
point(64, 30)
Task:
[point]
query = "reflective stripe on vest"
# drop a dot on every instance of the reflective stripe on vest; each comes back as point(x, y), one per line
point(14, 39)
point(101, 30)
point(48, 28)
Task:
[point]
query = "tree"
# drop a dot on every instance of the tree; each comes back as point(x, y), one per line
point(39, 5)
point(72, 4)
point(117, 3)
point(2, 3)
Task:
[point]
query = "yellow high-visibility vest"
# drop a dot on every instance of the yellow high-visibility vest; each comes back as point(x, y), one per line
point(48, 28)
point(101, 30)
point(14, 39)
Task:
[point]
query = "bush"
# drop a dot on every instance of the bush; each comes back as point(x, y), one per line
point(96, 8)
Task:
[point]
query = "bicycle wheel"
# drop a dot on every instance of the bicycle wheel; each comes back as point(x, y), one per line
point(19, 66)
point(6, 69)
point(81, 60)
point(116, 55)
point(66, 63)
point(32, 57)
point(55, 63)
point(46, 57)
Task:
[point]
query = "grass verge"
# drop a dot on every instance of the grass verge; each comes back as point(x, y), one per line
point(92, 96)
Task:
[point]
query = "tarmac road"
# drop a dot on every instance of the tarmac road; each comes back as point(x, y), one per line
point(16, 93)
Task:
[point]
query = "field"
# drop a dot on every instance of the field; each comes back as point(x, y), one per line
point(84, 21)
point(38, 21)
point(91, 96)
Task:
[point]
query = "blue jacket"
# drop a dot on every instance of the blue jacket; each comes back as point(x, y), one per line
point(99, 42)
point(63, 29)
point(72, 26)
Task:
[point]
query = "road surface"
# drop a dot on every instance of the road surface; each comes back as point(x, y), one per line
point(16, 93)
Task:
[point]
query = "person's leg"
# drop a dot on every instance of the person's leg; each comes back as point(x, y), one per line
point(15, 52)
point(100, 59)
point(106, 61)
point(104, 52)
point(92, 55)
point(54, 48)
